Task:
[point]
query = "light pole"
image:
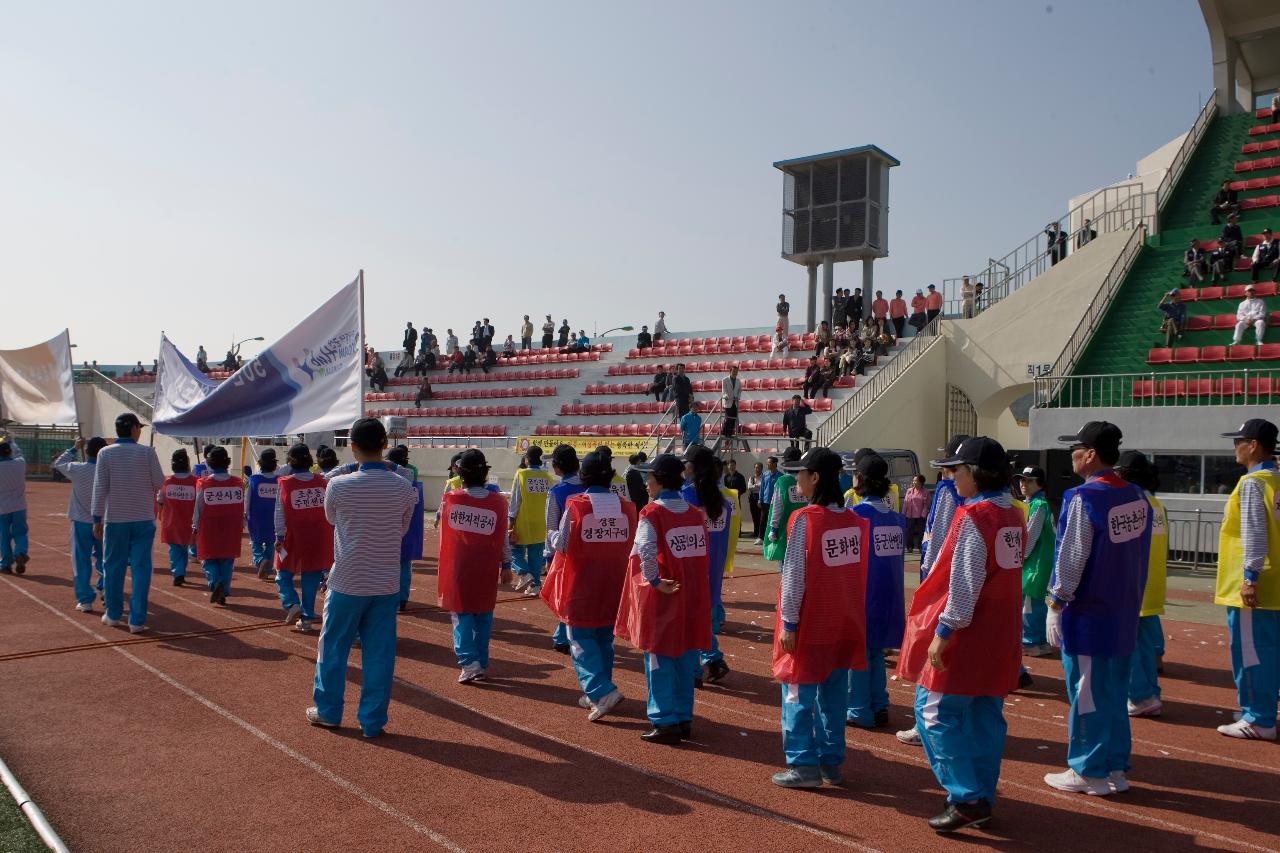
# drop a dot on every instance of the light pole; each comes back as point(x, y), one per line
point(617, 329)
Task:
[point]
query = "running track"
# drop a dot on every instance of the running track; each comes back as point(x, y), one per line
point(192, 737)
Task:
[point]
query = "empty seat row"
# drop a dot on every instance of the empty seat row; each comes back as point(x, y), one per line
point(1258, 148)
point(642, 430)
point(1264, 129)
point(654, 408)
point(1265, 112)
point(1214, 355)
point(458, 412)
point(1235, 291)
point(1254, 386)
point(478, 376)
point(1258, 165)
point(720, 346)
point(460, 430)
point(539, 357)
point(1202, 322)
point(712, 386)
point(465, 393)
point(793, 363)
point(1257, 183)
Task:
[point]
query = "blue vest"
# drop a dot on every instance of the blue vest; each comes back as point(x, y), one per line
point(943, 485)
point(562, 491)
point(411, 544)
point(262, 509)
point(1102, 619)
point(718, 545)
point(886, 612)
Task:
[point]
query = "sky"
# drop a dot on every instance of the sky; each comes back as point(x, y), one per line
point(220, 169)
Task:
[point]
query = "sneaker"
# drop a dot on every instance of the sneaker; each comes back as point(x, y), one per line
point(882, 718)
point(469, 673)
point(758, 542)
point(373, 734)
point(798, 777)
point(584, 702)
point(533, 591)
point(314, 718)
point(179, 580)
point(522, 583)
point(1038, 650)
point(606, 704)
point(111, 623)
point(910, 737)
point(1118, 781)
point(303, 626)
point(716, 671)
point(959, 815)
point(1070, 780)
point(1248, 731)
point(831, 774)
point(292, 615)
point(138, 629)
point(85, 607)
point(1149, 707)
point(263, 568)
point(20, 563)
point(562, 648)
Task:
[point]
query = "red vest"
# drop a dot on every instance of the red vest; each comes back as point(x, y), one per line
point(308, 535)
point(832, 633)
point(584, 588)
point(221, 518)
point(661, 623)
point(179, 505)
point(472, 531)
point(982, 659)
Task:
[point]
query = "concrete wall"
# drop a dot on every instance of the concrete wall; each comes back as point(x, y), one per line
point(987, 356)
point(1150, 428)
point(98, 411)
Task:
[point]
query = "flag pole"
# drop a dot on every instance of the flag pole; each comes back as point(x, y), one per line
point(363, 343)
point(75, 400)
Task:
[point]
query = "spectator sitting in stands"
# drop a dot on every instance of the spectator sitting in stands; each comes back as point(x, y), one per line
point(563, 340)
point(420, 366)
point(781, 344)
point(1175, 316)
point(456, 361)
point(1229, 243)
point(793, 422)
point(230, 363)
point(812, 377)
point(691, 428)
point(822, 337)
point(1225, 200)
point(469, 358)
point(1266, 255)
point(839, 339)
point(1251, 312)
point(1194, 264)
point(661, 384)
point(138, 370)
point(378, 376)
point(509, 347)
point(581, 344)
point(828, 373)
point(424, 393)
point(644, 340)
point(848, 360)
point(489, 359)
point(870, 330)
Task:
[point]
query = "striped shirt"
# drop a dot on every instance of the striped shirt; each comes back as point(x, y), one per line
point(301, 476)
point(1035, 526)
point(646, 542)
point(218, 474)
point(370, 511)
point(125, 483)
point(1073, 552)
point(968, 570)
point(1254, 524)
point(793, 569)
point(13, 482)
point(942, 515)
point(81, 476)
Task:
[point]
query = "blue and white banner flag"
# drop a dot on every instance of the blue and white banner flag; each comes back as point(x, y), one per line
point(311, 380)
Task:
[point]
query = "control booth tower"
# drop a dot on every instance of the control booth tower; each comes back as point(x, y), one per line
point(835, 207)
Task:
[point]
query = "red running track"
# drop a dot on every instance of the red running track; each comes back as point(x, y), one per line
point(193, 738)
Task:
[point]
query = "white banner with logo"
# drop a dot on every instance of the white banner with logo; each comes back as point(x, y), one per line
point(36, 386)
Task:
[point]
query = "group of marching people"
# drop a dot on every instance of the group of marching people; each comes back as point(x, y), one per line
point(998, 580)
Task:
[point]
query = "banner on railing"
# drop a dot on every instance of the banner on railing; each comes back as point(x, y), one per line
point(36, 384)
point(311, 380)
point(621, 447)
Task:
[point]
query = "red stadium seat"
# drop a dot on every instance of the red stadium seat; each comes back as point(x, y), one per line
point(1224, 321)
point(1266, 289)
point(1186, 355)
point(1144, 389)
point(1199, 322)
point(1188, 294)
point(1240, 352)
point(1259, 386)
point(1208, 294)
point(1161, 355)
point(1268, 352)
point(1228, 387)
point(1213, 355)
point(1236, 291)
point(1171, 388)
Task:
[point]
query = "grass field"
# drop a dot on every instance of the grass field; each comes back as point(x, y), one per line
point(16, 835)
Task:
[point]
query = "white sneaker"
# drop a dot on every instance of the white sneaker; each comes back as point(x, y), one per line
point(1247, 731)
point(302, 625)
point(138, 629)
point(758, 542)
point(584, 702)
point(85, 607)
point(1149, 707)
point(533, 591)
point(1118, 781)
point(469, 673)
point(910, 737)
point(606, 704)
point(292, 615)
point(1070, 780)
point(111, 623)
point(522, 583)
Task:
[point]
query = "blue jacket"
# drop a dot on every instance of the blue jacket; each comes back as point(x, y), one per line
point(411, 544)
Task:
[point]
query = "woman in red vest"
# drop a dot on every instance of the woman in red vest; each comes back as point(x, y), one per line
point(585, 585)
point(963, 643)
point(304, 538)
point(820, 634)
point(219, 523)
point(177, 499)
point(665, 610)
point(475, 554)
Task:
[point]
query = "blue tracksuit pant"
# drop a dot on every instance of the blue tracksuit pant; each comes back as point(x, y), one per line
point(1098, 740)
point(717, 620)
point(289, 594)
point(373, 619)
point(178, 559)
point(406, 578)
point(1255, 662)
point(264, 551)
point(13, 536)
point(471, 633)
point(1034, 612)
point(219, 572)
point(1143, 683)
point(560, 636)
point(592, 653)
point(529, 560)
point(963, 738)
point(86, 550)
point(670, 683)
point(813, 720)
point(127, 543)
point(868, 690)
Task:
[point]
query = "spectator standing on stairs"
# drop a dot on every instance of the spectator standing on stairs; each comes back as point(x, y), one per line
point(793, 422)
point(661, 384)
point(919, 307)
point(1086, 235)
point(933, 303)
point(548, 332)
point(526, 334)
point(784, 314)
point(966, 299)
point(880, 311)
point(1251, 312)
point(681, 391)
point(898, 314)
point(730, 394)
point(644, 340)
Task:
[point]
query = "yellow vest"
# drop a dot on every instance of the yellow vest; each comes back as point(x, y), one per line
point(1022, 505)
point(531, 516)
point(1231, 548)
point(895, 499)
point(452, 483)
point(735, 527)
point(1157, 563)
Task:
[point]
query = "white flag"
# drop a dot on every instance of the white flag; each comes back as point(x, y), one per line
point(36, 386)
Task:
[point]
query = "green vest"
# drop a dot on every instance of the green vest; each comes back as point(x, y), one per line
point(791, 501)
point(1037, 566)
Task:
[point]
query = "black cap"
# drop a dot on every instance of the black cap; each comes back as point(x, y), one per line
point(693, 451)
point(873, 466)
point(791, 454)
point(663, 465)
point(818, 460)
point(1135, 460)
point(1255, 429)
point(1097, 435)
point(127, 421)
point(949, 449)
point(269, 454)
point(472, 460)
point(594, 464)
point(564, 453)
point(981, 452)
point(1031, 472)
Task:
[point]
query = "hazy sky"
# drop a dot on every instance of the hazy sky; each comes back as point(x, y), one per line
point(210, 169)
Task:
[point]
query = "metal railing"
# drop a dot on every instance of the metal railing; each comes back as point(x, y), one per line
point(1154, 390)
point(117, 391)
point(1193, 538)
point(867, 393)
point(1189, 145)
